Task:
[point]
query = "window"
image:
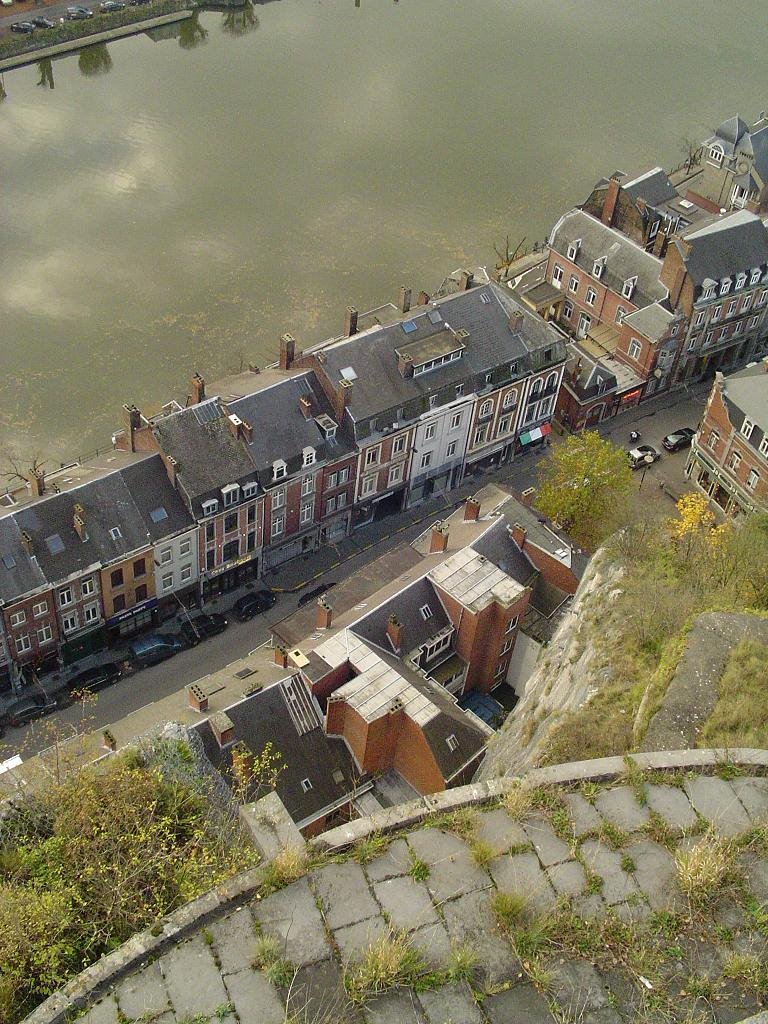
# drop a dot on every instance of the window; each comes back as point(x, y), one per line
point(486, 409)
point(459, 390)
point(91, 613)
point(753, 321)
point(738, 327)
point(331, 481)
point(368, 485)
point(230, 494)
point(747, 427)
point(488, 378)
point(573, 249)
point(557, 275)
point(250, 519)
point(65, 595)
point(573, 284)
point(716, 155)
point(699, 319)
point(567, 310)
point(186, 573)
point(426, 460)
point(398, 445)
point(279, 470)
point(18, 618)
point(536, 387)
point(510, 398)
point(761, 298)
point(714, 437)
point(591, 296)
point(735, 461)
point(764, 446)
point(752, 479)
point(503, 425)
point(426, 612)
point(250, 541)
point(620, 314)
point(166, 556)
point(168, 582)
point(372, 455)
point(250, 489)
point(307, 485)
point(754, 277)
point(512, 624)
point(341, 499)
point(429, 433)
point(115, 533)
point(306, 514)
point(725, 285)
point(453, 743)
point(210, 533)
point(278, 499)
point(545, 407)
point(746, 302)
point(654, 230)
point(278, 525)
point(40, 608)
point(395, 475)
point(507, 646)
point(343, 475)
point(584, 324)
point(708, 292)
point(23, 643)
point(210, 559)
point(597, 268)
point(455, 420)
point(306, 785)
point(330, 506)
point(716, 314)
point(118, 603)
point(741, 280)
point(480, 435)
point(634, 348)
point(432, 401)
point(309, 456)
point(141, 593)
point(628, 288)
point(139, 567)
point(450, 451)
point(69, 623)
point(210, 507)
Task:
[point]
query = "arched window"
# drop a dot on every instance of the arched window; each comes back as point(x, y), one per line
point(716, 155)
point(536, 387)
point(551, 381)
point(510, 398)
point(486, 408)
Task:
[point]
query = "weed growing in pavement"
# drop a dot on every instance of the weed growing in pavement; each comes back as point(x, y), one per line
point(706, 869)
point(389, 962)
point(419, 869)
point(374, 845)
point(483, 853)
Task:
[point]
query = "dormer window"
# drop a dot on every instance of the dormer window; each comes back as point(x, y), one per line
point(426, 612)
point(210, 507)
point(309, 456)
point(755, 275)
point(628, 288)
point(250, 490)
point(709, 291)
point(741, 280)
point(597, 268)
point(230, 494)
point(716, 155)
point(279, 470)
point(573, 249)
point(725, 285)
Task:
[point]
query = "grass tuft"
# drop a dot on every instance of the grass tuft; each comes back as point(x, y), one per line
point(511, 908)
point(366, 850)
point(389, 962)
point(518, 801)
point(267, 958)
point(705, 869)
point(483, 853)
point(419, 869)
point(289, 865)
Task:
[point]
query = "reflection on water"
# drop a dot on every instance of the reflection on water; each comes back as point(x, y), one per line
point(184, 210)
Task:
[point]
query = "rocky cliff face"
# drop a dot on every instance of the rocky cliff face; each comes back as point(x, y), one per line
point(570, 670)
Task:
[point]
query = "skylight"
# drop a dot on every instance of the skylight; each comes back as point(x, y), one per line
point(157, 515)
point(435, 316)
point(9, 561)
point(115, 533)
point(55, 544)
point(409, 326)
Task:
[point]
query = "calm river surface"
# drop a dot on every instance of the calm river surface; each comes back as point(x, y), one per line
point(167, 207)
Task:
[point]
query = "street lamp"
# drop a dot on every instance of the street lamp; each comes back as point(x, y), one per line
point(647, 461)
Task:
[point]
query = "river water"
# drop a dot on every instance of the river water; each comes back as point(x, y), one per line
point(175, 204)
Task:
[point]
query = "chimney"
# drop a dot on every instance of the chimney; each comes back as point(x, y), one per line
point(197, 386)
point(37, 482)
point(340, 399)
point(466, 280)
point(253, 368)
point(471, 510)
point(438, 540)
point(405, 364)
point(246, 431)
point(350, 322)
point(27, 543)
point(243, 764)
point(287, 351)
point(518, 535)
point(423, 299)
point(395, 633)
point(132, 418)
point(677, 285)
point(197, 698)
point(305, 404)
point(281, 657)
point(609, 203)
point(323, 614)
point(516, 320)
point(222, 727)
point(404, 302)
point(235, 425)
point(79, 522)
point(171, 468)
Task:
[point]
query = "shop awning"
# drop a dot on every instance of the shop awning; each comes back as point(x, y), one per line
point(536, 434)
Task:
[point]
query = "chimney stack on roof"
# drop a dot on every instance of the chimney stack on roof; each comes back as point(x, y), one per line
point(223, 728)
point(405, 365)
point(438, 540)
point(609, 203)
point(466, 280)
point(516, 320)
point(78, 521)
point(404, 302)
point(246, 431)
point(132, 418)
point(423, 299)
point(305, 405)
point(197, 387)
point(471, 510)
point(280, 657)
point(350, 321)
point(395, 633)
point(287, 351)
point(27, 543)
point(323, 614)
point(36, 479)
point(518, 535)
point(197, 698)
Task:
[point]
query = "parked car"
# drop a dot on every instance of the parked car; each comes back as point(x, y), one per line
point(41, 22)
point(253, 604)
point(201, 627)
point(637, 456)
point(28, 709)
point(154, 648)
point(96, 678)
point(678, 439)
point(110, 6)
point(138, 3)
point(22, 26)
point(79, 13)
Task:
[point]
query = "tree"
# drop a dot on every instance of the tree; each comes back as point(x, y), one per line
point(240, 20)
point(94, 60)
point(191, 32)
point(583, 485)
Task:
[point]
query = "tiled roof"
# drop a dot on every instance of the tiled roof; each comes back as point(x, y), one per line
point(724, 247)
point(406, 606)
point(746, 396)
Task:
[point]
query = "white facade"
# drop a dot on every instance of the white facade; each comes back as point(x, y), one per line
point(176, 562)
point(440, 443)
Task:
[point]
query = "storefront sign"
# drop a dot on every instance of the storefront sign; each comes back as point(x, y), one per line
point(211, 573)
point(536, 434)
point(631, 395)
point(143, 607)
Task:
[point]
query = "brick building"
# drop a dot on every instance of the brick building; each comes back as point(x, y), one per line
point(729, 455)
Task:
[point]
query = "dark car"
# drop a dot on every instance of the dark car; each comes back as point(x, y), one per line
point(22, 26)
point(154, 647)
point(41, 22)
point(638, 456)
point(97, 678)
point(678, 439)
point(79, 13)
point(110, 6)
point(253, 604)
point(138, 3)
point(201, 627)
point(28, 709)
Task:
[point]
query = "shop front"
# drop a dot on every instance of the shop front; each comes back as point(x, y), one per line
point(132, 620)
point(76, 647)
point(230, 576)
point(534, 438)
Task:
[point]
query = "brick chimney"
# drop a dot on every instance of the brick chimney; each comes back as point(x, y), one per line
point(471, 510)
point(405, 365)
point(197, 698)
point(404, 301)
point(350, 321)
point(305, 405)
point(287, 351)
point(223, 728)
point(323, 614)
point(609, 203)
point(395, 633)
point(171, 468)
point(516, 320)
point(132, 418)
point(466, 280)
point(234, 423)
point(518, 535)
point(438, 540)
point(197, 389)
point(423, 299)
point(246, 431)
point(27, 543)
point(281, 657)
point(340, 399)
point(36, 479)
point(78, 521)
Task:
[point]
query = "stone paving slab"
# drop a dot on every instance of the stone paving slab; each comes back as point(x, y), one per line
point(434, 944)
point(581, 992)
point(753, 794)
point(549, 848)
point(617, 884)
point(567, 879)
point(716, 801)
point(452, 874)
point(655, 873)
point(143, 993)
point(233, 940)
point(255, 1000)
point(583, 815)
point(621, 808)
point(103, 1012)
point(523, 874)
point(470, 920)
point(406, 902)
point(497, 828)
point(522, 1004)
point(673, 805)
point(317, 993)
point(399, 1007)
point(344, 891)
point(452, 1004)
point(292, 917)
point(356, 938)
point(193, 980)
point(433, 846)
point(396, 861)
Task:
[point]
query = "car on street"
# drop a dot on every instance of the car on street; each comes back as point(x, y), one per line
point(22, 26)
point(110, 6)
point(95, 678)
point(28, 709)
point(253, 604)
point(154, 648)
point(41, 22)
point(678, 439)
point(201, 627)
point(79, 13)
point(138, 3)
point(638, 457)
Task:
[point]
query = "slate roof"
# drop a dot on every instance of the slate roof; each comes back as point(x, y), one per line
point(542, 533)
point(19, 574)
point(498, 547)
point(746, 397)
point(653, 186)
point(723, 247)
point(379, 390)
point(405, 605)
point(624, 259)
point(651, 321)
point(728, 134)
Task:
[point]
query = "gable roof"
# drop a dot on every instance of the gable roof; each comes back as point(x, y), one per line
point(653, 186)
point(406, 605)
point(746, 396)
point(724, 247)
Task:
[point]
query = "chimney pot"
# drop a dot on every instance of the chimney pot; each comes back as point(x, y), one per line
point(79, 522)
point(395, 633)
point(438, 540)
point(222, 727)
point(287, 351)
point(37, 482)
point(197, 698)
point(197, 385)
point(246, 431)
point(466, 280)
point(404, 303)
point(27, 542)
point(350, 323)
point(423, 299)
point(281, 657)
point(471, 510)
point(323, 614)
